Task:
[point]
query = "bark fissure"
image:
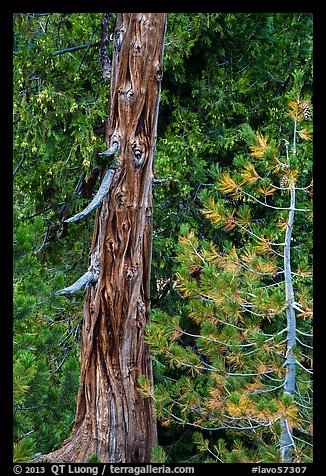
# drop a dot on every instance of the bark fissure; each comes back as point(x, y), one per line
point(113, 419)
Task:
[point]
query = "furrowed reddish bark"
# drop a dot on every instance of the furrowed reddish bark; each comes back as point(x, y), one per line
point(113, 420)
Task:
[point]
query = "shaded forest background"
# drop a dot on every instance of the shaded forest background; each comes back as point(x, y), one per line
point(234, 86)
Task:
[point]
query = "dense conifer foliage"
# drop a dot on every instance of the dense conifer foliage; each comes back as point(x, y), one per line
point(231, 279)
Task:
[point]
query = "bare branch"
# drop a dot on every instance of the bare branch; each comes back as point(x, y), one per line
point(256, 392)
point(305, 345)
point(304, 333)
point(184, 422)
point(271, 206)
point(111, 150)
point(97, 200)
point(304, 368)
point(87, 278)
point(214, 340)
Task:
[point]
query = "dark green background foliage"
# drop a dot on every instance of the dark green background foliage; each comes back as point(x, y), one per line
point(224, 74)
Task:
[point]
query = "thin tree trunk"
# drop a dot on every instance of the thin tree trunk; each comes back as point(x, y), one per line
point(113, 420)
point(286, 438)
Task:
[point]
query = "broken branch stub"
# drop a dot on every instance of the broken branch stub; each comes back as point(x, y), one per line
point(87, 278)
point(97, 200)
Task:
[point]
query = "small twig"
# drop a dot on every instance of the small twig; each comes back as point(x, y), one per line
point(74, 48)
point(88, 47)
point(275, 208)
point(20, 162)
point(45, 239)
point(22, 409)
point(79, 184)
point(36, 214)
point(245, 67)
point(68, 158)
point(304, 333)
point(304, 368)
point(38, 14)
point(24, 151)
point(305, 345)
point(26, 434)
point(162, 180)
point(63, 360)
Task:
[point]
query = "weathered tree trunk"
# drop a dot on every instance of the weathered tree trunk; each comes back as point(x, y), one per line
point(113, 419)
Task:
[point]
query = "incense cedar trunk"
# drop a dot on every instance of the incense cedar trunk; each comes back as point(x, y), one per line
point(113, 419)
